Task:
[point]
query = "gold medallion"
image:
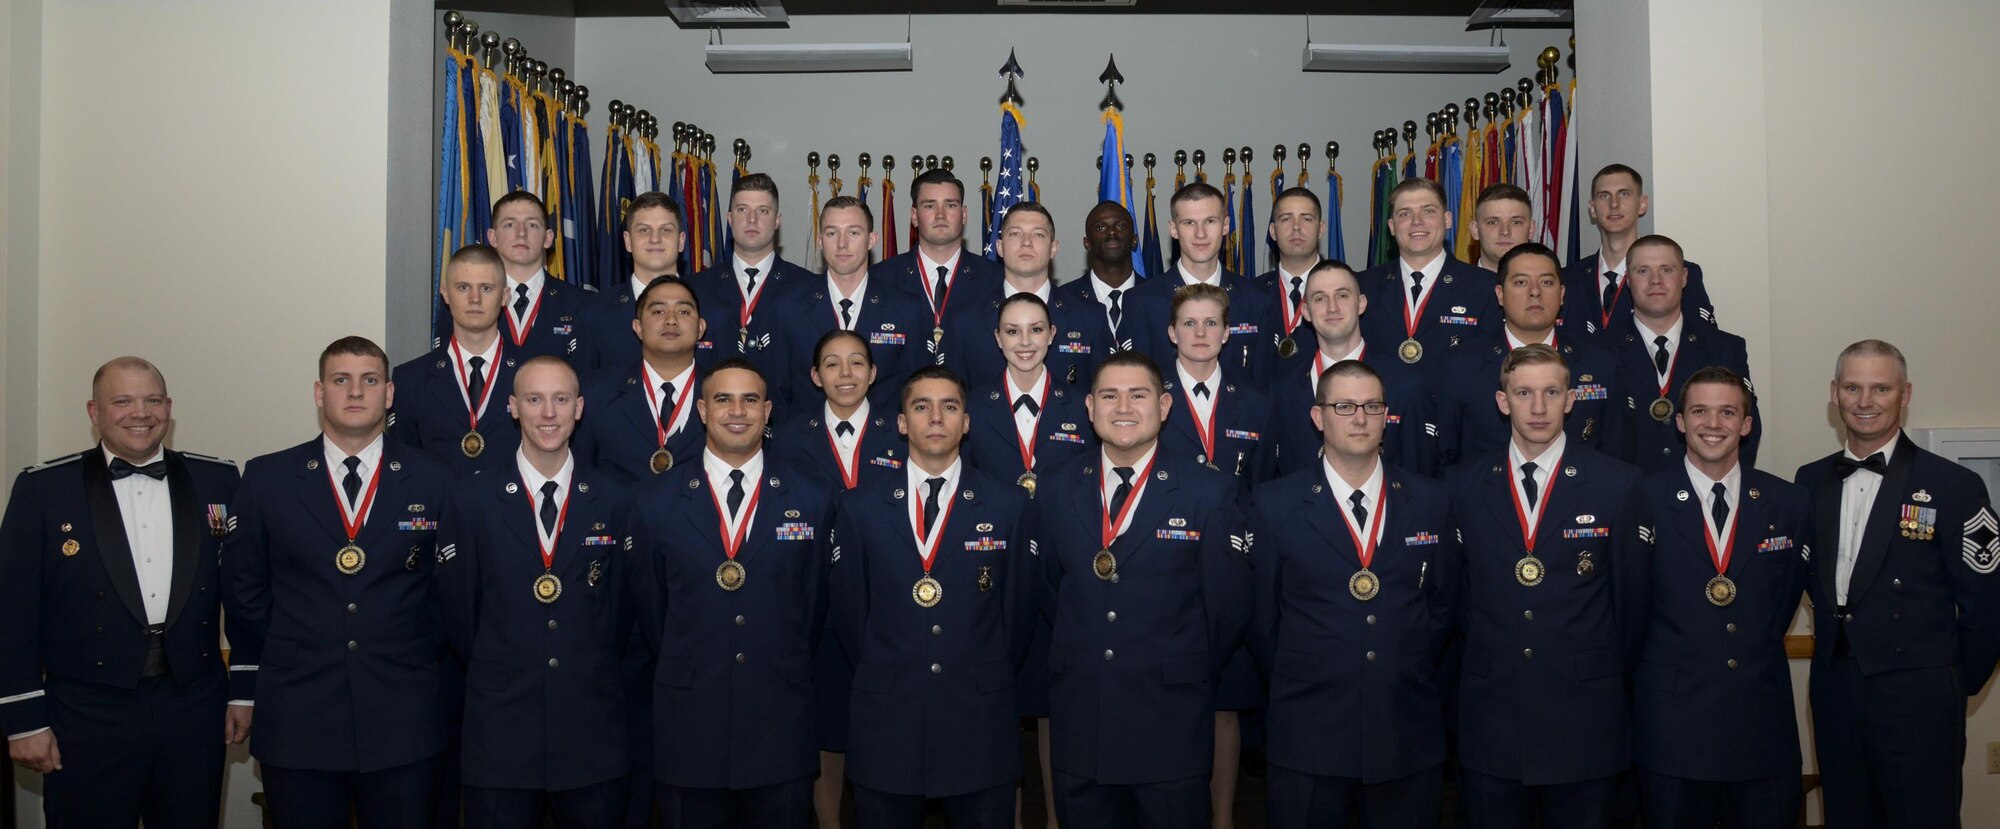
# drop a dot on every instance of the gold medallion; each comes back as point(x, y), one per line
point(1363, 584)
point(729, 575)
point(1286, 348)
point(548, 588)
point(1661, 410)
point(1411, 350)
point(472, 444)
point(1027, 482)
point(350, 559)
point(1528, 571)
point(1721, 591)
point(70, 547)
point(927, 592)
point(937, 334)
point(663, 460)
point(1104, 564)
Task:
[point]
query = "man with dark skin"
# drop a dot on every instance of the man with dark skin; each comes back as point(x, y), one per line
point(1107, 249)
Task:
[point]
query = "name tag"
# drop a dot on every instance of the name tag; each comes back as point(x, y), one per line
point(795, 531)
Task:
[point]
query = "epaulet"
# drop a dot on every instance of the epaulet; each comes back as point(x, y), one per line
point(54, 463)
point(210, 458)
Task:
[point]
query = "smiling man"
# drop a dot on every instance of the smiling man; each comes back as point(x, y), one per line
point(643, 422)
point(1335, 306)
point(1425, 302)
point(543, 315)
point(1906, 606)
point(655, 231)
point(119, 703)
point(1660, 350)
point(893, 321)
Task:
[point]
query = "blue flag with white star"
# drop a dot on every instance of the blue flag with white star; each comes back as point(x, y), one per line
point(1012, 187)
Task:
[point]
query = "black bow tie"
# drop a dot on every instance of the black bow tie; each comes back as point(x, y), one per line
point(1845, 465)
point(121, 469)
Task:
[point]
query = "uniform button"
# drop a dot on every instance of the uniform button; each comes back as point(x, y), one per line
point(552, 624)
point(1896, 615)
point(1666, 450)
point(553, 663)
point(100, 628)
point(100, 664)
point(1371, 618)
point(1732, 664)
point(1896, 583)
point(204, 623)
point(100, 594)
point(1527, 653)
point(1899, 650)
point(1371, 656)
point(739, 621)
point(1111, 615)
point(1107, 653)
point(937, 630)
point(742, 658)
point(936, 668)
point(1114, 580)
point(353, 608)
point(353, 645)
point(1528, 615)
point(1731, 627)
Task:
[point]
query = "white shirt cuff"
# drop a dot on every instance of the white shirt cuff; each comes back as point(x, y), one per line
point(25, 734)
point(246, 703)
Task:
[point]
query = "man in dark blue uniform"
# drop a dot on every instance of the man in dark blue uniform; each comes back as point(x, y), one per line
point(528, 577)
point(447, 407)
point(543, 315)
point(328, 571)
point(1659, 350)
point(1530, 292)
point(894, 321)
point(1199, 224)
point(1906, 607)
point(655, 231)
point(1503, 217)
point(1297, 226)
point(1335, 305)
point(937, 267)
point(111, 676)
point(1221, 419)
point(1358, 568)
point(1149, 592)
point(1712, 712)
point(1109, 280)
point(933, 599)
point(728, 564)
point(1026, 421)
point(643, 422)
point(1553, 612)
point(1425, 302)
point(739, 295)
point(1598, 294)
point(1079, 334)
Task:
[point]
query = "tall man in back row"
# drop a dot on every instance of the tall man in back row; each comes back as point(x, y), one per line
point(740, 296)
point(544, 315)
point(1906, 606)
point(1148, 591)
point(1199, 225)
point(938, 267)
point(1599, 293)
point(1425, 302)
point(450, 407)
point(111, 676)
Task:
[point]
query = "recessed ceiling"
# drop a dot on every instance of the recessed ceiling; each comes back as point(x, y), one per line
point(658, 8)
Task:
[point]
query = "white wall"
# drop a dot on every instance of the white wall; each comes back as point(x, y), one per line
point(226, 226)
point(1191, 82)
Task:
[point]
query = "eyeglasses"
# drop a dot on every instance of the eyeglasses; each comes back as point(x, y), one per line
point(1347, 408)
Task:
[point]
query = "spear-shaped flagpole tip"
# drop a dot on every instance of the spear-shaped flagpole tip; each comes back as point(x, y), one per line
point(1012, 68)
point(1012, 95)
point(1111, 74)
point(1111, 78)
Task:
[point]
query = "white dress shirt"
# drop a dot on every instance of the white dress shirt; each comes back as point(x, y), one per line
point(834, 296)
point(1371, 498)
point(1025, 423)
point(1110, 482)
point(533, 480)
point(1102, 290)
point(336, 466)
point(920, 494)
point(1431, 271)
point(486, 372)
point(1545, 464)
point(1514, 342)
point(534, 284)
point(1647, 336)
point(1857, 500)
point(656, 397)
point(1202, 406)
point(1188, 278)
point(858, 420)
point(718, 471)
point(1732, 487)
point(148, 515)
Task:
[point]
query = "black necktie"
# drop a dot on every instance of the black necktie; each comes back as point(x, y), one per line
point(750, 289)
point(1123, 491)
point(1528, 482)
point(1610, 290)
point(1416, 287)
point(120, 469)
point(521, 302)
point(931, 504)
point(1660, 357)
point(1719, 509)
point(937, 291)
point(1296, 282)
point(667, 408)
point(1845, 465)
point(1117, 312)
point(843, 429)
point(352, 481)
point(477, 382)
point(548, 511)
point(1029, 402)
point(847, 313)
point(735, 491)
point(1201, 389)
point(1360, 512)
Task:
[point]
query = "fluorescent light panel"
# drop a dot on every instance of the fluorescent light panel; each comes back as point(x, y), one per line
point(809, 57)
point(1355, 57)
